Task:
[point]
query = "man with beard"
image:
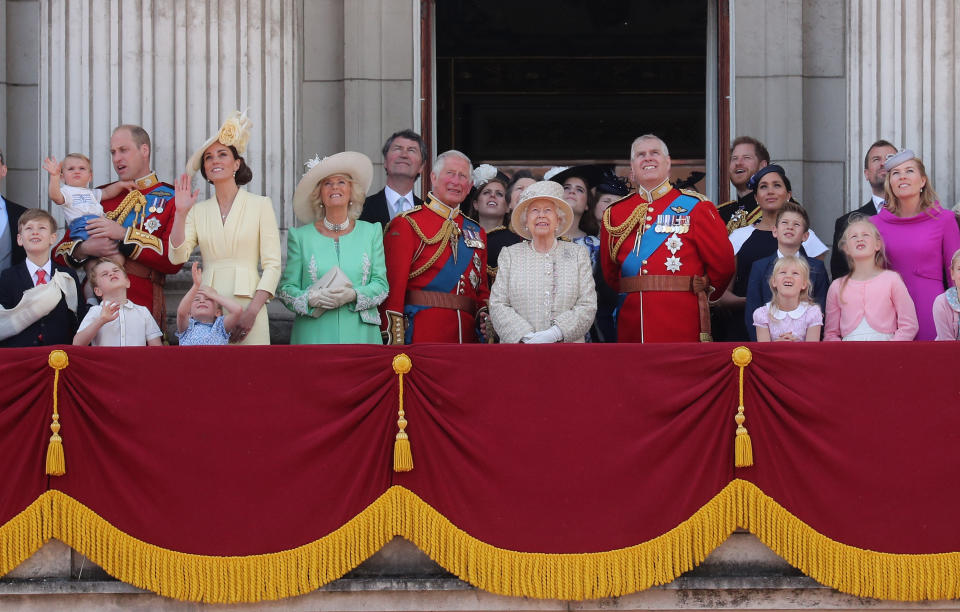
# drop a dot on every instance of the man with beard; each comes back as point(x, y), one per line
point(747, 156)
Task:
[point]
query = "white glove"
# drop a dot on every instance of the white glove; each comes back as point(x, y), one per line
point(547, 336)
point(343, 295)
point(321, 298)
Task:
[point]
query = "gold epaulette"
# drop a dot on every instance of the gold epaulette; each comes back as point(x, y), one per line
point(471, 219)
point(621, 199)
point(727, 203)
point(407, 212)
point(694, 194)
point(142, 240)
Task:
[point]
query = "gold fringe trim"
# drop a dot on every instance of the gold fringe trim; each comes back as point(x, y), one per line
point(24, 534)
point(566, 576)
point(211, 579)
point(399, 511)
point(860, 572)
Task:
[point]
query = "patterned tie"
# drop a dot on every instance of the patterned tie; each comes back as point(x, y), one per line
point(41, 276)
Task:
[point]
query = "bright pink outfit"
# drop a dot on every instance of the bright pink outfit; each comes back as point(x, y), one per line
point(883, 300)
point(920, 249)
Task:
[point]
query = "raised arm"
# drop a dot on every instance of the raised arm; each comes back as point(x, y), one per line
point(183, 310)
point(52, 166)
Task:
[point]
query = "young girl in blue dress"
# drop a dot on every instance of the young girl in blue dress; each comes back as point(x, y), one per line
point(200, 318)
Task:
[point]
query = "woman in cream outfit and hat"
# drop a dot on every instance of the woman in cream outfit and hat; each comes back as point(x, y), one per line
point(236, 231)
point(544, 290)
point(336, 275)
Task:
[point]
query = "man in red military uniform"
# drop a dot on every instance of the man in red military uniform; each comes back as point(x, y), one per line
point(662, 248)
point(436, 263)
point(136, 224)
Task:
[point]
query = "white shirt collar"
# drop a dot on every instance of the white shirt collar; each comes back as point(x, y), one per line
point(796, 313)
point(32, 269)
point(877, 201)
point(392, 197)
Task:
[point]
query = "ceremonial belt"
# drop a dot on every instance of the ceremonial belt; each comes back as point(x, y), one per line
point(664, 282)
point(159, 307)
point(438, 299)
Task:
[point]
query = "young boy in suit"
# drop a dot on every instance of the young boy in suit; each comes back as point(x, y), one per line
point(37, 233)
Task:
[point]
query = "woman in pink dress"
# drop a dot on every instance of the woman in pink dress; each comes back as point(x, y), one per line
point(920, 235)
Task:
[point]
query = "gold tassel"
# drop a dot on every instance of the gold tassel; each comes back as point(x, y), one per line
point(743, 447)
point(56, 461)
point(402, 455)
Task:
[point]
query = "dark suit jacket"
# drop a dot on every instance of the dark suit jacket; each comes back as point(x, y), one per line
point(375, 208)
point(838, 261)
point(58, 327)
point(759, 292)
point(14, 210)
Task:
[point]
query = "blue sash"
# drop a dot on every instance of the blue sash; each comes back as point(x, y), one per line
point(157, 199)
point(446, 279)
point(651, 240)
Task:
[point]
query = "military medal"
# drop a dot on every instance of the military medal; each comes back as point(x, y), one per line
point(673, 244)
point(472, 238)
point(152, 224)
point(673, 264)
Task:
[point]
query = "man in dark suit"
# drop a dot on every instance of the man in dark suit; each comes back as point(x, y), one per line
point(403, 156)
point(10, 252)
point(50, 318)
point(875, 174)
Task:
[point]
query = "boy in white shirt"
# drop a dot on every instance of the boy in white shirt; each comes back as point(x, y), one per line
point(116, 321)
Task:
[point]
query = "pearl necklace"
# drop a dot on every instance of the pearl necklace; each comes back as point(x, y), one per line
point(335, 227)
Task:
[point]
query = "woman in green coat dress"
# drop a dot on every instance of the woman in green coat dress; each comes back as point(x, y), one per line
point(335, 275)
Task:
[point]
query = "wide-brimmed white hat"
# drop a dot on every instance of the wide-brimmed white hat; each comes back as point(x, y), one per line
point(355, 165)
point(542, 190)
point(234, 132)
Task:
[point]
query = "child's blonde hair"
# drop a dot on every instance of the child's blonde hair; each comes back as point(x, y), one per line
point(806, 295)
point(954, 259)
point(879, 258)
point(92, 278)
point(79, 156)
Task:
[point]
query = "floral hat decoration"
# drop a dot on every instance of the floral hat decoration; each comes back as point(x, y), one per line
point(234, 132)
point(350, 163)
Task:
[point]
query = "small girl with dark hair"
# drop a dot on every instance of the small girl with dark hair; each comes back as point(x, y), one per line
point(791, 315)
point(236, 231)
point(871, 302)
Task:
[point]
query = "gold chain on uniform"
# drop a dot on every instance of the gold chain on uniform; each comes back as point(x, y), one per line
point(135, 201)
point(620, 232)
point(448, 229)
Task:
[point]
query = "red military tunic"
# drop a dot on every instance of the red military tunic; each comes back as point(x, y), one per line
point(418, 249)
point(148, 221)
point(703, 249)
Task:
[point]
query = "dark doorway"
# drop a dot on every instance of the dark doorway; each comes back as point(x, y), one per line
point(567, 80)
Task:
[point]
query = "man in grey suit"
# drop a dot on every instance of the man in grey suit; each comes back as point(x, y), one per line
point(10, 252)
point(875, 174)
point(403, 156)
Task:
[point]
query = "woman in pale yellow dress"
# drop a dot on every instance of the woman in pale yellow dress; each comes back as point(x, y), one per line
point(236, 231)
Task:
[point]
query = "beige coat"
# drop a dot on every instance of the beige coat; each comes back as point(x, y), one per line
point(233, 251)
point(534, 291)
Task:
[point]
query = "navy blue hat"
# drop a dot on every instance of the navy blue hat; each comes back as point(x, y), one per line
point(762, 172)
point(612, 184)
point(591, 174)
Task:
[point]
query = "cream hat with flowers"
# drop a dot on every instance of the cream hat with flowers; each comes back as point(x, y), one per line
point(355, 165)
point(234, 132)
point(542, 190)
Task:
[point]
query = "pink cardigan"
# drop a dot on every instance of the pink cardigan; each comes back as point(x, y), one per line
point(883, 300)
point(945, 318)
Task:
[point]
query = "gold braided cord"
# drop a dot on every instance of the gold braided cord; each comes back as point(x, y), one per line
point(619, 233)
point(447, 229)
point(133, 201)
point(399, 511)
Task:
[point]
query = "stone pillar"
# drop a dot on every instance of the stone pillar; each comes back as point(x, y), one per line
point(904, 65)
point(176, 68)
point(789, 88)
point(19, 120)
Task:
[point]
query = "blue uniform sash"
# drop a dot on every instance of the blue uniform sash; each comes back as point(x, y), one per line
point(651, 240)
point(446, 279)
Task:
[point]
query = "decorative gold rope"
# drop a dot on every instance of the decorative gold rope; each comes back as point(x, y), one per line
point(619, 233)
point(56, 461)
point(135, 201)
point(402, 454)
point(443, 235)
point(743, 446)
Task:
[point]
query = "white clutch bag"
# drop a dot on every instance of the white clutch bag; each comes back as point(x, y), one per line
point(335, 278)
